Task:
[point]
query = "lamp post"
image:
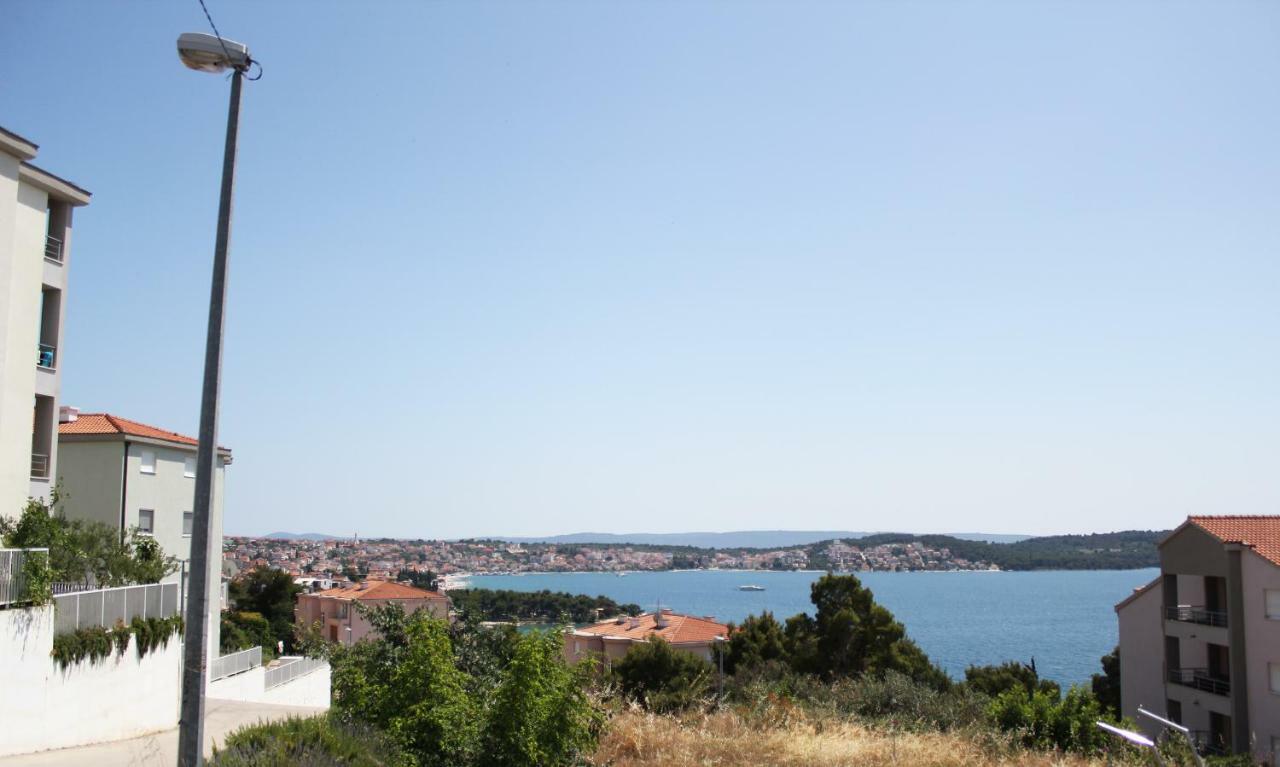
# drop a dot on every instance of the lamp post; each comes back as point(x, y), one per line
point(207, 53)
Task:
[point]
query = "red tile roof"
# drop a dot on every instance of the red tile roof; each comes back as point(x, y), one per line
point(105, 423)
point(380, 590)
point(1262, 534)
point(680, 629)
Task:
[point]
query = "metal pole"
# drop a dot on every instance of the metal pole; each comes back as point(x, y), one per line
point(194, 649)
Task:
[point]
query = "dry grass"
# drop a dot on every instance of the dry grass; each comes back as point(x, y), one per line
point(639, 739)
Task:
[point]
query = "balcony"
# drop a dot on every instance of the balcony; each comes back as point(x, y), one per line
point(53, 249)
point(46, 355)
point(39, 466)
point(1200, 679)
point(1196, 614)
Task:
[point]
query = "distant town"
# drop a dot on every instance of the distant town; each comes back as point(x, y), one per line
point(355, 559)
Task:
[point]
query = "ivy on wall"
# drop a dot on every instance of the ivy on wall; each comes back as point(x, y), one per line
point(97, 642)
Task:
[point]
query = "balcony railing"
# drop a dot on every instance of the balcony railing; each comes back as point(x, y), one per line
point(53, 249)
point(1200, 679)
point(1196, 614)
point(46, 355)
point(13, 576)
point(39, 466)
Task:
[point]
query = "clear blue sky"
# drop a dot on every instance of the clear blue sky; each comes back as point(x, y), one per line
point(532, 268)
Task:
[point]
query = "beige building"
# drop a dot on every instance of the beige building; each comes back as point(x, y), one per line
point(35, 251)
point(1201, 643)
point(127, 474)
point(610, 640)
point(339, 621)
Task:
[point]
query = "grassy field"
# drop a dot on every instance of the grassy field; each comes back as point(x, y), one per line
point(639, 739)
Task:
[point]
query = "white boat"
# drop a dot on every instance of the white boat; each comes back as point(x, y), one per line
point(751, 587)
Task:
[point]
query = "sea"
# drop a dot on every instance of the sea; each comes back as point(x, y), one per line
point(1063, 620)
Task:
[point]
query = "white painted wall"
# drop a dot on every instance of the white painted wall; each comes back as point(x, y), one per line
point(44, 707)
point(308, 690)
point(1142, 655)
point(1262, 648)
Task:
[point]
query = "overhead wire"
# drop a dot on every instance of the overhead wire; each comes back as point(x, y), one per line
point(223, 43)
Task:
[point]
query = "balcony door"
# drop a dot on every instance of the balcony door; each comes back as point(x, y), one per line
point(1219, 661)
point(1215, 593)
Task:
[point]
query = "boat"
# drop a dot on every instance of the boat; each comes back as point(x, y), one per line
point(751, 587)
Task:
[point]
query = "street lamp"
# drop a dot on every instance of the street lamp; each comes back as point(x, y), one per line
point(207, 53)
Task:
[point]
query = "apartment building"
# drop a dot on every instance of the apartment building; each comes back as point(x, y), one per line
point(610, 640)
point(127, 474)
point(334, 610)
point(35, 255)
point(1200, 644)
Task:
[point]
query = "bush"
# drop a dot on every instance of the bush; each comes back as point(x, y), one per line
point(320, 741)
point(1040, 720)
point(992, 681)
point(660, 678)
point(908, 703)
point(95, 642)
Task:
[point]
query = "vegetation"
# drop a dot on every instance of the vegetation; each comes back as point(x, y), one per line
point(541, 606)
point(427, 580)
point(318, 740)
point(663, 679)
point(95, 642)
point(81, 551)
point(993, 681)
point(1100, 551)
point(1106, 686)
point(270, 595)
point(244, 630)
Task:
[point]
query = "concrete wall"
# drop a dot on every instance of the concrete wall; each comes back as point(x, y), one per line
point(307, 690)
point(90, 475)
point(1192, 551)
point(1142, 654)
point(44, 707)
point(1262, 647)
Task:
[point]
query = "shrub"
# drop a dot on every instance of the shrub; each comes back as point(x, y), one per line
point(316, 741)
point(1042, 721)
point(95, 642)
point(908, 703)
point(994, 680)
point(661, 678)
point(756, 642)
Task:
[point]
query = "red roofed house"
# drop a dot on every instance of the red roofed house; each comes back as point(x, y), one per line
point(334, 609)
point(1200, 644)
point(611, 639)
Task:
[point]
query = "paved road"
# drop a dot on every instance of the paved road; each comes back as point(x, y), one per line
point(161, 749)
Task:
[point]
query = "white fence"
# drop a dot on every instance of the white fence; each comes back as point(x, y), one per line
point(291, 668)
point(105, 607)
point(235, 663)
point(13, 581)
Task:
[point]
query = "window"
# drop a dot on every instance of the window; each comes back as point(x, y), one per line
point(1273, 604)
point(189, 466)
point(1173, 708)
point(1275, 677)
point(148, 462)
point(146, 521)
point(188, 521)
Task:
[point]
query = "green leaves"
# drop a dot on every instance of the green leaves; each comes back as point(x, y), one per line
point(661, 678)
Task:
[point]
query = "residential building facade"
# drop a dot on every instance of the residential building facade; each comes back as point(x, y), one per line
point(1201, 643)
point(610, 640)
point(129, 475)
point(35, 251)
point(334, 610)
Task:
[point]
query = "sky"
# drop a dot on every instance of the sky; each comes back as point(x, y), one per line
point(538, 268)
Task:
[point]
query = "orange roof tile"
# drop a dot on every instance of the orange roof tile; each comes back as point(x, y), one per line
point(1262, 534)
point(380, 590)
point(680, 629)
point(105, 423)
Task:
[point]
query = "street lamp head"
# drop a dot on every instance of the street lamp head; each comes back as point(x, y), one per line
point(207, 53)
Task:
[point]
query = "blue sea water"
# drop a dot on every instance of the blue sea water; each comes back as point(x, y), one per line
point(1063, 619)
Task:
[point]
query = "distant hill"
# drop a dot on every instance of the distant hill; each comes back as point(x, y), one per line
point(302, 536)
point(1123, 550)
point(749, 539)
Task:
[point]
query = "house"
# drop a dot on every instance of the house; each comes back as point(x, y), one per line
point(1200, 644)
point(611, 639)
point(127, 474)
point(334, 609)
point(35, 255)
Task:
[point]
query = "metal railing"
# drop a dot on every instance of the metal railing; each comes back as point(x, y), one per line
point(104, 607)
point(13, 577)
point(39, 466)
point(1207, 743)
point(1196, 614)
point(290, 668)
point(53, 249)
point(235, 663)
point(46, 355)
point(1200, 679)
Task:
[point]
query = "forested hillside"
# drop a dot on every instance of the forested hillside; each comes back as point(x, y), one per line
point(1129, 549)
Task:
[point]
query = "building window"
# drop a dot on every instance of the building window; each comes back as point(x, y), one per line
point(146, 521)
point(1273, 604)
point(188, 521)
point(1173, 709)
point(148, 462)
point(1275, 677)
point(189, 466)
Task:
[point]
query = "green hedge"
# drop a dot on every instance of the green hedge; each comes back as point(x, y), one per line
point(96, 642)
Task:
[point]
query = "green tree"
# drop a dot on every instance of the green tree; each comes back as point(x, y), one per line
point(1106, 686)
point(243, 630)
point(540, 714)
point(758, 640)
point(270, 593)
point(661, 678)
point(1040, 720)
point(994, 680)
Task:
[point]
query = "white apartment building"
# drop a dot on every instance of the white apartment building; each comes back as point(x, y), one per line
point(1200, 644)
point(127, 474)
point(35, 250)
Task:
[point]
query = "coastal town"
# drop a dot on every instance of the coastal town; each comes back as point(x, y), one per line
point(353, 558)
